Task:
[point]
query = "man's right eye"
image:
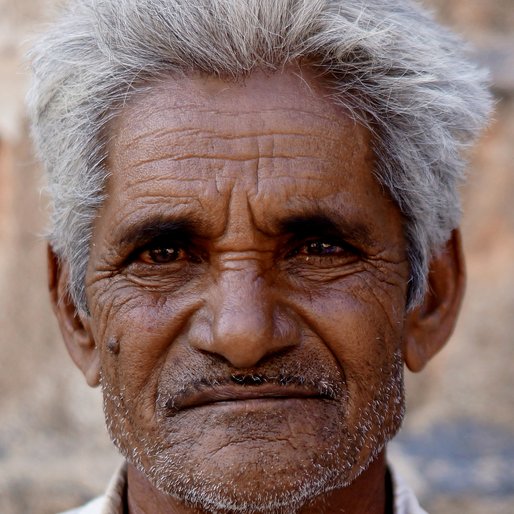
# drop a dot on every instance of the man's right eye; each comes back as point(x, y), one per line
point(162, 255)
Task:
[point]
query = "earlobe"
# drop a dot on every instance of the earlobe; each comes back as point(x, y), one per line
point(430, 325)
point(74, 325)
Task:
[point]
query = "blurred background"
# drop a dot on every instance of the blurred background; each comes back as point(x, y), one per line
point(457, 444)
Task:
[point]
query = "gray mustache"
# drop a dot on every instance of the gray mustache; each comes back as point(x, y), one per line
point(321, 387)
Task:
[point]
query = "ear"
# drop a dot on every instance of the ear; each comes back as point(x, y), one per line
point(430, 325)
point(74, 325)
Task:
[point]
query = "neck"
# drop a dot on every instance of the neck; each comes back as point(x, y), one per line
point(365, 495)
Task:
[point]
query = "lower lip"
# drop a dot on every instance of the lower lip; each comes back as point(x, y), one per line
point(254, 404)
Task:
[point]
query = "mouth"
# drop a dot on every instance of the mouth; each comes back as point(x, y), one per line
point(237, 395)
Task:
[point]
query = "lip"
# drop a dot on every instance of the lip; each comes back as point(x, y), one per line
point(230, 393)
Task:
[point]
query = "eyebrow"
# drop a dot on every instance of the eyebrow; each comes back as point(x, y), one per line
point(153, 228)
point(299, 226)
point(326, 224)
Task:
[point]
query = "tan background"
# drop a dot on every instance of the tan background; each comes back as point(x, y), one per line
point(457, 445)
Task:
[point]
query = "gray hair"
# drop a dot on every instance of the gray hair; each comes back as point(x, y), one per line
point(399, 73)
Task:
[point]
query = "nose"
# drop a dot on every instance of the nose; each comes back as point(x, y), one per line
point(247, 324)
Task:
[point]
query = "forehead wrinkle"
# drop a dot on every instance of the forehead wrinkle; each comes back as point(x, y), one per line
point(222, 158)
point(142, 180)
point(265, 146)
point(237, 134)
point(177, 118)
point(160, 133)
point(163, 133)
point(165, 191)
point(227, 146)
point(150, 206)
point(145, 109)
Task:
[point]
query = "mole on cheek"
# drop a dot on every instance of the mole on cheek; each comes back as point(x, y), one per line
point(113, 345)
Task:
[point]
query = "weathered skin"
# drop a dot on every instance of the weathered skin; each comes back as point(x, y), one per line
point(213, 256)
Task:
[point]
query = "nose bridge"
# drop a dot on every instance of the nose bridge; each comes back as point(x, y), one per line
point(243, 314)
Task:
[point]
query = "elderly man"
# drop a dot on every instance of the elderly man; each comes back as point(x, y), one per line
point(255, 221)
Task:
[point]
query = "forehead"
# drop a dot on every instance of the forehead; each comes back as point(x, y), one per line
point(187, 146)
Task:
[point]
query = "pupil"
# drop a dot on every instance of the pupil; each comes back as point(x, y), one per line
point(318, 248)
point(162, 254)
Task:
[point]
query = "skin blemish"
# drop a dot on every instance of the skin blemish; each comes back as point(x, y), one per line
point(113, 345)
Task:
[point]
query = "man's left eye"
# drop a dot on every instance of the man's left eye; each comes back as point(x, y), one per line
point(162, 255)
point(320, 248)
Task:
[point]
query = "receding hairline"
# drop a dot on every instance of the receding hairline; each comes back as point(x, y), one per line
point(320, 83)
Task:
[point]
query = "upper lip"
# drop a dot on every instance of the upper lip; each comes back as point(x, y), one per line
point(241, 393)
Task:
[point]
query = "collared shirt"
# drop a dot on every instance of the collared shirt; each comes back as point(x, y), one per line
point(112, 501)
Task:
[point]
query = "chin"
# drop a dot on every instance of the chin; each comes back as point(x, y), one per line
point(249, 487)
point(264, 483)
point(259, 477)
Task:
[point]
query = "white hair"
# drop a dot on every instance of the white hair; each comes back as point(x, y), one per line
point(388, 62)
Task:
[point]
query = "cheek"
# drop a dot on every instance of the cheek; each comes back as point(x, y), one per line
point(145, 326)
point(361, 325)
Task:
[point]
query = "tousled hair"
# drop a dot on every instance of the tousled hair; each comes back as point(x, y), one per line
point(389, 63)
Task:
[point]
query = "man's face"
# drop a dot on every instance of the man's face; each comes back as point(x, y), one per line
point(253, 273)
